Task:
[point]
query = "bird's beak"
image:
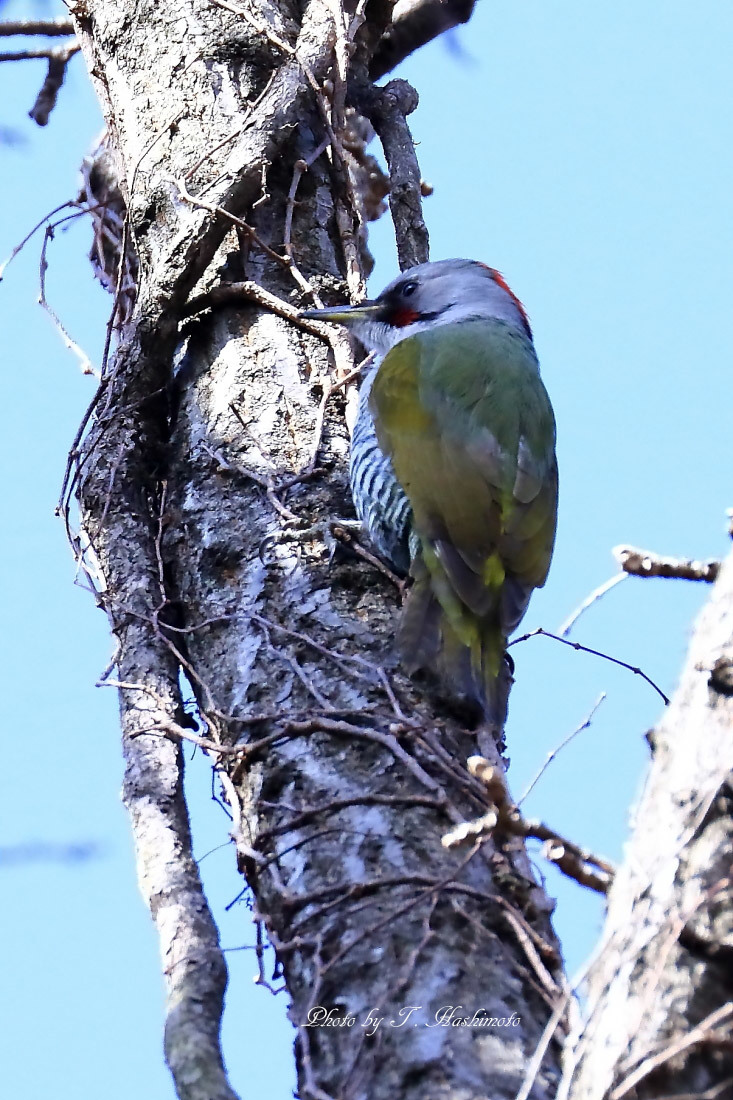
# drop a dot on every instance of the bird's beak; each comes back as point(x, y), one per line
point(344, 315)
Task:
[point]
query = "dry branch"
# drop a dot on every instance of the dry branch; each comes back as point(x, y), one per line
point(388, 108)
point(193, 965)
point(48, 28)
point(58, 58)
point(31, 53)
point(645, 563)
point(504, 818)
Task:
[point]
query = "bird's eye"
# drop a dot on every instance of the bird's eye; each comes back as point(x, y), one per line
point(409, 289)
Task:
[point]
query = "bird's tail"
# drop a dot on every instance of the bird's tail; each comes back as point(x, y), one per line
point(468, 651)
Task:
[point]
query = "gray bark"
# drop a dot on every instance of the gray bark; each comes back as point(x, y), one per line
point(660, 997)
point(341, 775)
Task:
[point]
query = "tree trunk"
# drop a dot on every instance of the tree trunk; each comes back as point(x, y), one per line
point(215, 460)
point(660, 995)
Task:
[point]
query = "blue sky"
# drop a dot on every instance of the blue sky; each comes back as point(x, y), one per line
point(583, 150)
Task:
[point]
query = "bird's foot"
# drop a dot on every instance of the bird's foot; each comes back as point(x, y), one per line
point(338, 534)
point(334, 533)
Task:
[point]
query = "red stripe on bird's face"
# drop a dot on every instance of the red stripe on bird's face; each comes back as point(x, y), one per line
point(402, 316)
point(501, 281)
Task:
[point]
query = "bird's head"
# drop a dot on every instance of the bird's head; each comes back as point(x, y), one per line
point(433, 294)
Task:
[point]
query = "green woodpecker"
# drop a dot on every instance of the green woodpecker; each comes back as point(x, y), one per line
point(453, 468)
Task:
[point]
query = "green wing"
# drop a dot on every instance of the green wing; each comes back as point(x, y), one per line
point(463, 414)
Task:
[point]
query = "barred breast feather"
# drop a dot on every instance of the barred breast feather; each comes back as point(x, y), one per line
point(379, 499)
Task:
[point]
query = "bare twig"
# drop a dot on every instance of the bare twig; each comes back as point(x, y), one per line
point(310, 464)
point(265, 481)
point(541, 632)
point(229, 293)
point(248, 121)
point(299, 168)
point(596, 594)
point(348, 214)
point(355, 373)
point(535, 1062)
point(341, 351)
point(46, 218)
point(317, 812)
point(162, 725)
point(579, 864)
point(534, 948)
point(192, 200)
point(349, 540)
point(126, 237)
point(215, 149)
point(645, 563)
point(84, 360)
point(566, 741)
point(564, 1004)
point(49, 28)
point(357, 20)
point(32, 53)
point(102, 193)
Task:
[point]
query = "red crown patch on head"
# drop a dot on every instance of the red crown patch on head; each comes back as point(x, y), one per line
point(501, 281)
